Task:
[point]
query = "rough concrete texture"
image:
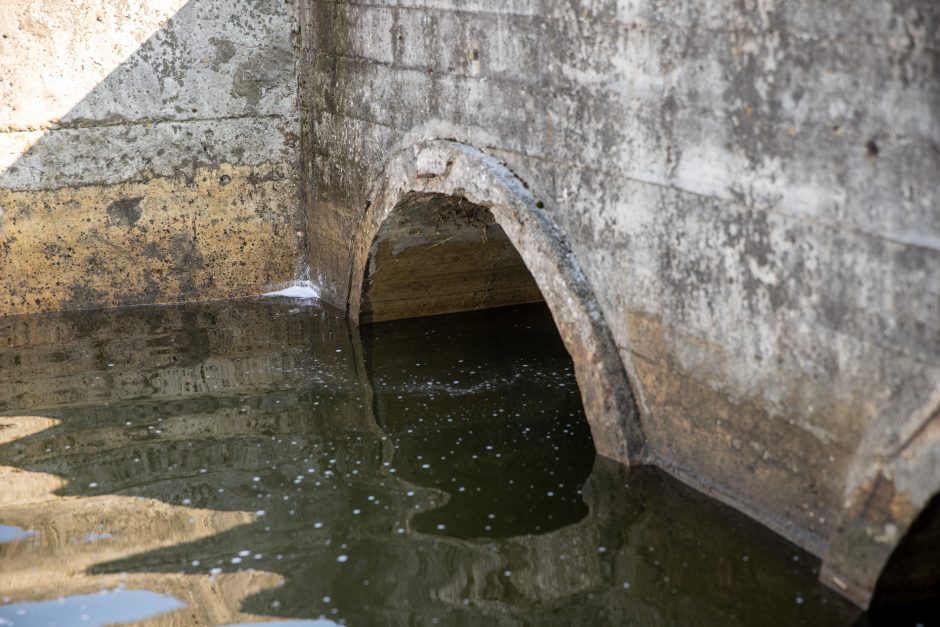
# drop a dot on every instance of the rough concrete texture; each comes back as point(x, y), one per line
point(750, 190)
point(447, 242)
point(148, 151)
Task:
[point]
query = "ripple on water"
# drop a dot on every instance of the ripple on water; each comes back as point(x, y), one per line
point(262, 462)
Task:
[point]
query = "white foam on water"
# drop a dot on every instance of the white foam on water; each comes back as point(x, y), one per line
point(304, 290)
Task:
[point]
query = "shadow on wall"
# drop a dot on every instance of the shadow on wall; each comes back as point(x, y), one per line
point(172, 178)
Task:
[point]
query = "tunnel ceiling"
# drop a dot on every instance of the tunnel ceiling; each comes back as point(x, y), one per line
point(438, 254)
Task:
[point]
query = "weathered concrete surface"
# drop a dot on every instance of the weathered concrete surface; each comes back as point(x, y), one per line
point(749, 187)
point(148, 151)
point(731, 206)
point(890, 488)
point(445, 242)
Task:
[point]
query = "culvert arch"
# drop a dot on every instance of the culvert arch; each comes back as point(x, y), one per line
point(454, 179)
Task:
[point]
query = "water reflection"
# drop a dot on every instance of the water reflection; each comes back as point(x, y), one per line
point(8, 533)
point(260, 460)
point(103, 608)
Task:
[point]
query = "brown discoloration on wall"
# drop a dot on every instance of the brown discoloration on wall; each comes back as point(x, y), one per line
point(148, 152)
point(225, 232)
point(699, 432)
point(864, 539)
point(441, 254)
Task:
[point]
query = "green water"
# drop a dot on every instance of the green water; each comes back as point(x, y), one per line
point(261, 460)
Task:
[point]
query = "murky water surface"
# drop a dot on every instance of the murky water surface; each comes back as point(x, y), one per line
point(261, 461)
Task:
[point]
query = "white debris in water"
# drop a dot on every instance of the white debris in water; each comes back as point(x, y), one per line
point(304, 290)
point(96, 537)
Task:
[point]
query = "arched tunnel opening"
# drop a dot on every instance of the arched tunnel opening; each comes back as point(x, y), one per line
point(489, 411)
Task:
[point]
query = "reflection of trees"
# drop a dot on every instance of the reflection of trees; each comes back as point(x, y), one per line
point(234, 411)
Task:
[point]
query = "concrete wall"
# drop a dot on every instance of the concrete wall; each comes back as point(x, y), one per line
point(751, 189)
point(447, 242)
point(148, 151)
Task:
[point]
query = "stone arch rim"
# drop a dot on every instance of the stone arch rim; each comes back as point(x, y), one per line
point(454, 169)
point(895, 482)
